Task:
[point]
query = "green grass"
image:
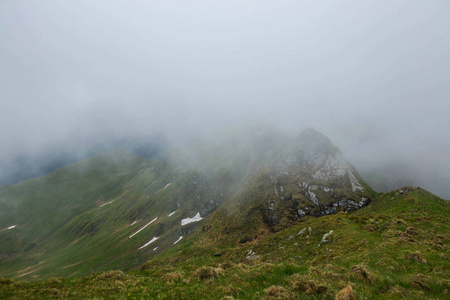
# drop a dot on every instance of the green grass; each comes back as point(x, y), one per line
point(55, 240)
point(72, 238)
point(53, 211)
point(397, 247)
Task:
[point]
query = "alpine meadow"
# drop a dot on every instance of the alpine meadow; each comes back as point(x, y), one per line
point(224, 149)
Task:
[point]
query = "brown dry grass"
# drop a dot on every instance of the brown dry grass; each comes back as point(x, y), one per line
point(416, 256)
point(363, 272)
point(278, 292)
point(346, 294)
point(208, 273)
point(307, 286)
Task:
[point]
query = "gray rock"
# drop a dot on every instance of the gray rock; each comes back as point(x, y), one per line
point(324, 238)
point(356, 186)
point(252, 257)
point(302, 231)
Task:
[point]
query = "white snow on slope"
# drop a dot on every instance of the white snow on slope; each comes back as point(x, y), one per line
point(143, 227)
point(171, 213)
point(106, 203)
point(167, 185)
point(179, 239)
point(11, 227)
point(133, 223)
point(151, 241)
point(25, 274)
point(155, 248)
point(196, 218)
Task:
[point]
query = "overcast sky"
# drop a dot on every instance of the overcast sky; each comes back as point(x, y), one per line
point(372, 75)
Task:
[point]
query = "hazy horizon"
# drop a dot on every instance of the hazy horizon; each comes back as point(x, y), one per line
point(372, 76)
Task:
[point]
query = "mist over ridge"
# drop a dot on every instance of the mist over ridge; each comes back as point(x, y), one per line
point(80, 77)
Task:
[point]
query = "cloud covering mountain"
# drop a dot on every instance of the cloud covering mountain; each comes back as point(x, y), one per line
point(373, 76)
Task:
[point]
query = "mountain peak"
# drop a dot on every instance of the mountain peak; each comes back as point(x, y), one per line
point(313, 133)
point(311, 142)
point(248, 184)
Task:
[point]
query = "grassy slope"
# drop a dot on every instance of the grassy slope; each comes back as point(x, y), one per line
point(71, 193)
point(96, 237)
point(63, 229)
point(68, 191)
point(397, 247)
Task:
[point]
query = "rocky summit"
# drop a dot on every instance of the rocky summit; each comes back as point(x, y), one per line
point(307, 177)
point(314, 168)
point(258, 201)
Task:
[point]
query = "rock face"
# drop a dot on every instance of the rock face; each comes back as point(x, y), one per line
point(270, 180)
point(312, 178)
point(356, 186)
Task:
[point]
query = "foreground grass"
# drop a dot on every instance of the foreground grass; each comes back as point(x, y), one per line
point(397, 247)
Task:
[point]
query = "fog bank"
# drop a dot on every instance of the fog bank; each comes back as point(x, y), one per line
point(372, 75)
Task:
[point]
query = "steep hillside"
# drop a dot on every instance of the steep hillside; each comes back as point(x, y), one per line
point(34, 210)
point(113, 204)
point(114, 210)
point(306, 179)
point(395, 248)
point(121, 210)
point(255, 202)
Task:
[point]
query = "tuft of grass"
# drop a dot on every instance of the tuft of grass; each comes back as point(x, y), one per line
point(5, 281)
point(278, 292)
point(208, 272)
point(421, 281)
point(346, 294)
point(362, 272)
point(176, 277)
point(307, 286)
point(397, 292)
point(416, 256)
point(113, 275)
point(226, 265)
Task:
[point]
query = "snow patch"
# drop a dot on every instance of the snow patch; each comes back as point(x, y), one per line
point(167, 185)
point(11, 227)
point(151, 241)
point(133, 223)
point(25, 274)
point(154, 249)
point(179, 239)
point(196, 218)
point(143, 227)
point(171, 213)
point(106, 203)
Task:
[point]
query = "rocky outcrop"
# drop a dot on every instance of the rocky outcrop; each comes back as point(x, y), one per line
point(312, 178)
point(356, 186)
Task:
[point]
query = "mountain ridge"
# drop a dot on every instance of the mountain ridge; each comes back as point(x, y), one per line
point(147, 189)
point(138, 210)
